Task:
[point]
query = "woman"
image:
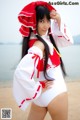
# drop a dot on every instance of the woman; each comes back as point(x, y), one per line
point(38, 78)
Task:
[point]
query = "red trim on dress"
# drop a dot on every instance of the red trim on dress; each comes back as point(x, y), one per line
point(27, 99)
point(60, 36)
point(31, 42)
point(42, 83)
point(65, 32)
point(36, 57)
point(55, 58)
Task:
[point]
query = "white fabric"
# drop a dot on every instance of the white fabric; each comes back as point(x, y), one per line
point(58, 87)
point(25, 86)
point(64, 31)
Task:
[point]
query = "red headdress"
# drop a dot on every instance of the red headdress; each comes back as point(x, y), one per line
point(27, 16)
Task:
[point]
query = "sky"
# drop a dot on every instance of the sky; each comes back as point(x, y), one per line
point(9, 25)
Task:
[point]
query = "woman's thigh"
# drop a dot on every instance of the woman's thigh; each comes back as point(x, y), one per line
point(37, 113)
point(58, 107)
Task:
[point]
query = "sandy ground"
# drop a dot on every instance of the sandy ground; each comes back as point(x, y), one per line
point(7, 101)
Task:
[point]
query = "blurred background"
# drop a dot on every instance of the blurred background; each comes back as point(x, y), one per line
point(10, 38)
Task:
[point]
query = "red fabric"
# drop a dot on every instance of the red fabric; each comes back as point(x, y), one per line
point(28, 99)
point(31, 42)
point(55, 58)
point(27, 16)
point(40, 67)
point(42, 83)
point(34, 57)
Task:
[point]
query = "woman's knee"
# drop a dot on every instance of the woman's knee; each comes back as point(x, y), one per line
point(58, 107)
point(36, 112)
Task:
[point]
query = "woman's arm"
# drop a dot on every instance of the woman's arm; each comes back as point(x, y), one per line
point(56, 17)
point(60, 31)
point(25, 88)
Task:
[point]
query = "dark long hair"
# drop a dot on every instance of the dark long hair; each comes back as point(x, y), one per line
point(42, 12)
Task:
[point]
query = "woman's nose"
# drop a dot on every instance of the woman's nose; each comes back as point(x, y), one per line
point(46, 26)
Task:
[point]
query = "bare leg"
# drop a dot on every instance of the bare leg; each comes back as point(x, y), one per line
point(58, 108)
point(37, 113)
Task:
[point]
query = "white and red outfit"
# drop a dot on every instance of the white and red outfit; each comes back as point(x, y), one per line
point(27, 84)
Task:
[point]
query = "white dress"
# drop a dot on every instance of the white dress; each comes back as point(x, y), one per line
point(26, 84)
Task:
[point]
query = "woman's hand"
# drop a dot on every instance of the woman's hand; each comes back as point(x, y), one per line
point(55, 16)
point(48, 85)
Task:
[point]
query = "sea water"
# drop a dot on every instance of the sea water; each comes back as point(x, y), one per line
point(10, 55)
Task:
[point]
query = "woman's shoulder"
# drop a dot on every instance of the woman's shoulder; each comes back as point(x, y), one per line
point(35, 42)
point(39, 44)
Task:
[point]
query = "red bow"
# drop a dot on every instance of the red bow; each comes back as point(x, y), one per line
point(27, 17)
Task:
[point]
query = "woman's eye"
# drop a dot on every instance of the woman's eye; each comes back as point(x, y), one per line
point(41, 21)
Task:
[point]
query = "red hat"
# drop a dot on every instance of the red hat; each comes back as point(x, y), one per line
point(27, 17)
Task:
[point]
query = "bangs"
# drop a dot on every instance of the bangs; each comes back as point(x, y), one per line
point(42, 12)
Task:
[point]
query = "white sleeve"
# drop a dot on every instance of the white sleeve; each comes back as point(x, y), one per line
point(63, 36)
point(25, 89)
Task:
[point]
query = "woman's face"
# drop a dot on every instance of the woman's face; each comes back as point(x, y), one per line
point(43, 26)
